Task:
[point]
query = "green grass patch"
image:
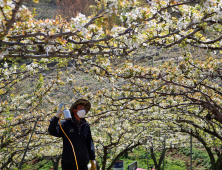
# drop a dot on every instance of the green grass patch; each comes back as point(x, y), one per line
point(199, 156)
point(41, 165)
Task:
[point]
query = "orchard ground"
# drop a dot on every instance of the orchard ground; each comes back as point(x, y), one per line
point(176, 159)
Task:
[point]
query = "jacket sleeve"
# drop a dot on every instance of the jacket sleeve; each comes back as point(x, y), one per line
point(54, 128)
point(91, 147)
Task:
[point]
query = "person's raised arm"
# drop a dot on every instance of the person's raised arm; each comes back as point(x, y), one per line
point(54, 128)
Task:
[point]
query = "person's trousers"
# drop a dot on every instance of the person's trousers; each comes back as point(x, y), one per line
point(73, 167)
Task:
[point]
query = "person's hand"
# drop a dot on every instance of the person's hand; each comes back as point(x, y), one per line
point(59, 113)
point(93, 165)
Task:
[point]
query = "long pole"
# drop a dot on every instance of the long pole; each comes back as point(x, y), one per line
point(147, 159)
point(20, 166)
point(191, 150)
point(164, 148)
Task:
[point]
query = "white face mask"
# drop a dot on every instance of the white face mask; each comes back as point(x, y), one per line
point(81, 113)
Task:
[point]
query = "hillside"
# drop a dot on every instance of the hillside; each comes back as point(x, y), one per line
point(49, 9)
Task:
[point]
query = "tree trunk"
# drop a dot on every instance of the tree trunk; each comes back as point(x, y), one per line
point(219, 162)
point(157, 164)
point(153, 156)
point(55, 162)
point(104, 158)
point(121, 154)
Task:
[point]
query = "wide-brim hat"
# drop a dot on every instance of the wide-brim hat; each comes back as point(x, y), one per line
point(85, 102)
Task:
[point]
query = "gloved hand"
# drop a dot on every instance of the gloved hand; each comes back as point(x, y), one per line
point(93, 165)
point(59, 113)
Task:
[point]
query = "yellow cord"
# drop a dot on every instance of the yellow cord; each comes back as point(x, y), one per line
point(71, 145)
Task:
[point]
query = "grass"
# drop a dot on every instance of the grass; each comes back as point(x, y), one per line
point(41, 165)
point(176, 159)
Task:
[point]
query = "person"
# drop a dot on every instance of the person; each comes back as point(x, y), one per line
point(78, 131)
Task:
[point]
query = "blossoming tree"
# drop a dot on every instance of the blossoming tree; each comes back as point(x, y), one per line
point(188, 95)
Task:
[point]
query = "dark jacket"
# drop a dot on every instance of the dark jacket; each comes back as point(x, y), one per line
point(82, 141)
